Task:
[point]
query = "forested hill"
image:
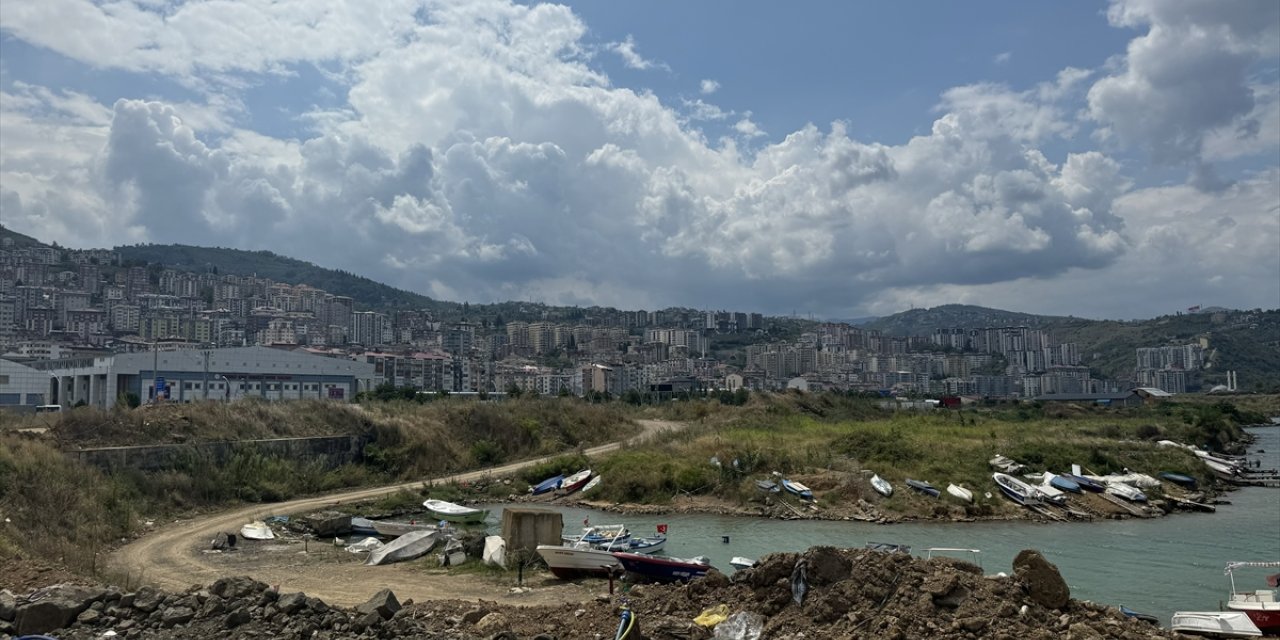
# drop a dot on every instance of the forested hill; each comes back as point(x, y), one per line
point(922, 322)
point(367, 294)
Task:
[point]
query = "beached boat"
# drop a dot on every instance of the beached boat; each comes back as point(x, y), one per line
point(1214, 624)
point(881, 486)
point(924, 487)
point(1145, 617)
point(569, 561)
point(256, 530)
point(1132, 494)
point(414, 544)
point(363, 527)
point(602, 535)
point(768, 486)
point(591, 484)
point(391, 529)
point(1049, 492)
point(1083, 482)
point(1061, 483)
point(1016, 490)
point(739, 562)
point(798, 489)
point(888, 547)
point(1179, 479)
point(652, 544)
point(1006, 465)
point(550, 484)
point(663, 569)
point(960, 493)
point(441, 510)
point(1260, 605)
point(575, 481)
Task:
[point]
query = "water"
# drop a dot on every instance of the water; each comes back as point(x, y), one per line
point(1155, 566)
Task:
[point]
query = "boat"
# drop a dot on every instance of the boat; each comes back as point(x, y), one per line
point(441, 510)
point(1051, 493)
point(1214, 624)
point(391, 529)
point(363, 527)
point(924, 487)
point(888, 547)
point(1083, 482)
point(1179, 479)
point(575, 481)
point(569, 561)
point(652, 544)
point(603, 535)
point(1136, 480)
point(414, 544)
point(663, 569)
point(1016, 490)
point(1260, 605)
point(798, 489)
point(256, 530)
point(881, 486)
point(1132, 494)
point(768, 486)
point(1145, 617)
point(960, 493)
point(1006, 465)
point(550, 484)
point(591, 484)
point(1061, 483)
point(739, 562)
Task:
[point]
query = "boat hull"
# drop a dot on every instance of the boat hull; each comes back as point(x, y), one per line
point(575, 482)
point(1065, 484)
point(1016, 490)
point(1084, 483)
point(924, 488)
point(550, 484)
point(393, 529)
point(881, 486)
point(960, 493)
point(797, 489)
point(1215, 624)
point(569, 563)
point(1266, 620)
point(454, 513)
point(661, 569)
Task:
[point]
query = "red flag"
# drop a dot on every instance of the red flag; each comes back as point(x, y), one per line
point(1273, 581)
point(586, 522)
point(662, 528)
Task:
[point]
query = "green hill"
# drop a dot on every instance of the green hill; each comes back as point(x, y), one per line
point(922, 322)
point(17, 240)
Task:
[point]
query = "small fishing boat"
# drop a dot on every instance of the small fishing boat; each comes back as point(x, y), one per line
point(441, 510)
point(550, 484)
point(652, 544)
point(1179, 479)
point(1214, 624)
point(960, 493)
point(414, 544)
point(363, 527)
point(1083, 482)
point(798, 489)
point(663, 569)
point(768, 486)
point(591, 484)
point(577, 560)
point(257, 530)
point(1006, 465)
point(1016, 490)
point(888, 547)
point(1145, 617)
point(1260, 605)
point(924, 487)
point(1063, 484)
point(1132, 494)
point(575, 481)
point(1137, 480)
point(739, 562)
point(602, 535)
point(881, 486)
point(389, 529)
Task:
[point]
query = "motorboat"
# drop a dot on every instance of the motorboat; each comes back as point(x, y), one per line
point(1136, 480)
point(390, 529)
point(798, 489)
point(569, 561)
point(1049, 492)
point(1145, 617)
point(1055, 481)
point(652, 544)
point(550, 484)
point(1132, 494)
point(257, 530)
point(924, 487)
point(414, 544)
point(881, 486)
point(441, 510)
point(1260, 605)
point(603, 535)
point(739, 562)
point(663, 569)
point(888, 547)
point(1215, 624)
point(1087, 484)
point(768, 486)
point(1006, 465)
point(1017, 490)
point(591, 484)
point(575, 481)
point(960, 493)
point(1182, 480)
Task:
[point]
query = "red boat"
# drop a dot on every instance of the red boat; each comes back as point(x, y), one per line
point(1260, 605)
point(663, 569)
point(575, 481)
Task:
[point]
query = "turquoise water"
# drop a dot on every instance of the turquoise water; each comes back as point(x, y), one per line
point(1155, 566)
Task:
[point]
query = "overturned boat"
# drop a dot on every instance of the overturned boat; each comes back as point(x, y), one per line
point(414, 544)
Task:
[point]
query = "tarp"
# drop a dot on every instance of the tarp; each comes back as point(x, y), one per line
point(366, 545)
point(495, 551)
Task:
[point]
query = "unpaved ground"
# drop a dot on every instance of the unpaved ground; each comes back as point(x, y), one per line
point(173, 557)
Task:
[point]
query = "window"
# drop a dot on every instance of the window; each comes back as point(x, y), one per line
point(4, 379)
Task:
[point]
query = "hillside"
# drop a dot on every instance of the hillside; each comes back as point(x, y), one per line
point(367, 294)
point(922, 322)
point(17, 240)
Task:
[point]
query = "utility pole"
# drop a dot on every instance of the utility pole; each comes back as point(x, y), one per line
point(155, 365)
point(205, 385)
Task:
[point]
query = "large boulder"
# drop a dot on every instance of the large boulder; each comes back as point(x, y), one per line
point(1041, 579)
point(383, 602)
point(236, 587)
point(290, 603)
point(56, 610)
point(177, 615)
point(8, 606)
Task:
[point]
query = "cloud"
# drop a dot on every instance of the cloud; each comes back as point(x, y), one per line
point(632, 58)
point(1003, 57)
point(709, 86)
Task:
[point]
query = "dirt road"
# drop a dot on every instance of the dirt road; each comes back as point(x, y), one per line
point(174, 556)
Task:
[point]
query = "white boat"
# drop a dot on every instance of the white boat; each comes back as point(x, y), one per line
point(454, 512)
point(1007, 465)
point(1017, 490)
point(575, 481)
point(257, 530)
point(391, 529)
point(1132, 494)
point(960, 492)
point(1260, 605)
point(739, 562)
point(881, 486)
point(644, 545)
point(593, 483)
point(602, 535)
point(1215, 624)
point(414, 544)
point(576, 560)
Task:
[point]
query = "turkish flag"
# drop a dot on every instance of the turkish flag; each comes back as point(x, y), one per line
point(662, 528)
point(1273, 581)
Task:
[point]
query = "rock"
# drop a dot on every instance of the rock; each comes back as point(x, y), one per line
point(1041, 578)
point(47, 615)
point(473, 616)
point(237, 587)
point(545, 636)
point(177, 615)
point(1082, 631)
point(213, 605)
point(126, 600)
point(492, 622)
point(319, 606)
point(236, 618)
point(973, 625)
point(147, 599)
point(503, 635)
point(366, 621)
point(383, 602)
point(770, 569)
point(89, 617)
point(827, 566)
point(291, 602)
point(8, 606)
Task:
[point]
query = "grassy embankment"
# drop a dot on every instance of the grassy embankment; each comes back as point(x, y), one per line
point(57, 509)
point(832, 443)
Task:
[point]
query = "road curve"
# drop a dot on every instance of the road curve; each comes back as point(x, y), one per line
point(172, 558)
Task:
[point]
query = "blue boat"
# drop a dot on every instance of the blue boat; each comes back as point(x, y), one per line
point(798, 489)
point(1179, 479)
point(1145, 617)
point(768, 486)
point(1084, 483)
point(662, 569)
point(550, 484)
point(1065, 484)
point(363, 527)
point(924, 487)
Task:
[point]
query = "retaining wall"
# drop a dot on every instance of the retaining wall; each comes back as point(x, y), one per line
point(332, 450)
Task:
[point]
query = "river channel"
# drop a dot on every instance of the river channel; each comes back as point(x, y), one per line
point(1155, 566)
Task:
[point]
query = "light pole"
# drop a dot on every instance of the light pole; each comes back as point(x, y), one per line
point(228, 383)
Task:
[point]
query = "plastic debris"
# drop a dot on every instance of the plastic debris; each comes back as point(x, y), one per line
point(744, 625)
point(800, 582)
point(364, 546)
point(712, 616)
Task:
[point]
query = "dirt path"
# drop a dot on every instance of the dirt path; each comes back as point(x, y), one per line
point(173, 558)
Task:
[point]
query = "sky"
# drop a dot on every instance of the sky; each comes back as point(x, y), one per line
point(1100, 159)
